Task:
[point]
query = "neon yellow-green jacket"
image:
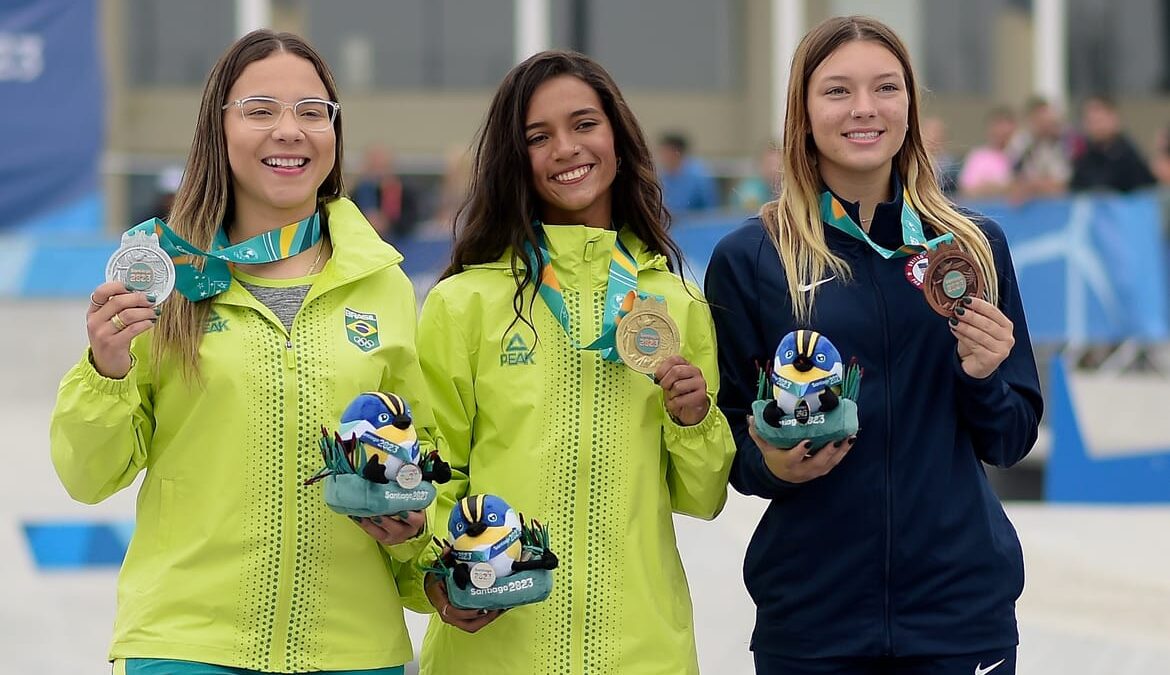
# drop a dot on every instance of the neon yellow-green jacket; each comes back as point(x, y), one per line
point(233, 561)
point(579, 443)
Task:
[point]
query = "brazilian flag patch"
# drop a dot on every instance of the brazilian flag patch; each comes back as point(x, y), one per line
point(362, 330)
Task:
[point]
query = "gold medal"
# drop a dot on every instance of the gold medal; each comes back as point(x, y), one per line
point(647, 336)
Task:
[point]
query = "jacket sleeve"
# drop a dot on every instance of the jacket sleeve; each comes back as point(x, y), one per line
point(699, 456)
point(1002, 411)
point(402, 375)
point(732, 292)
point(446, 364)
point(101, 429)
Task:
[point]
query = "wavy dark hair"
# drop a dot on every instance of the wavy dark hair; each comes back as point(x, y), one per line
point(502, 202)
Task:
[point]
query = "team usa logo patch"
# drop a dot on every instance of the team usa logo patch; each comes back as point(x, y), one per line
point(362, 330)
point(916, 269)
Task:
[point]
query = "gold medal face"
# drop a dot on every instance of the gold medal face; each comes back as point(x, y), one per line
point(647, 336)
point(951, 274)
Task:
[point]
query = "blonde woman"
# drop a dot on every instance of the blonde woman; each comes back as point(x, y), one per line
point(887, 552)
point(219, 395)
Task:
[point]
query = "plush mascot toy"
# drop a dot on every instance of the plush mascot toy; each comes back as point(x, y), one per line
point(813, 394)
point(374, 465)
point(495, 560)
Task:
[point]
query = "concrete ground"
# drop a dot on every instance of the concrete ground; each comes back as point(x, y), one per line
point(1097, 600)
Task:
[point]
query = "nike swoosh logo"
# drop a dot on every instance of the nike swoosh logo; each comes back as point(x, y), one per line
point(980, 670)
point(804, 288)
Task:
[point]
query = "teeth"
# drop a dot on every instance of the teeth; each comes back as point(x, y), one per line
point(286, 162)
point(573, 175)
point(863, 135)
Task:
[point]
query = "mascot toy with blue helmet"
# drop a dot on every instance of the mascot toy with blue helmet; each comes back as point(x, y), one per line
point(373, 463)
point(813, 394)
point(496, 560)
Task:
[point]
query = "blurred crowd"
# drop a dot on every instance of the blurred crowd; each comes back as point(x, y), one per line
point(1025, 154)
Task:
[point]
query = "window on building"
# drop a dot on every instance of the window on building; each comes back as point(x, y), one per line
point(428, 44)
point(176, 42)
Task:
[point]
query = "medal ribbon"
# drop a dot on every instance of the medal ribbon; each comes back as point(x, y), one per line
point(623, 279)
point(833, 213)
point(486, 555)
point(216, 277)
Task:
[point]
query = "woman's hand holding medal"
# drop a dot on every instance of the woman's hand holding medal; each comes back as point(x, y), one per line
point(114, 317)
point(468, 620)
point(985, 336)
point(684, 390)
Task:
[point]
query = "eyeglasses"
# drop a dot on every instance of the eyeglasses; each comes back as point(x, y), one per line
point(263, 113)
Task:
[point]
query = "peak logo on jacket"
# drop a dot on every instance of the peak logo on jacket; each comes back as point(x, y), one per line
point(215, 323)
point(516, 353)
point(362, 330)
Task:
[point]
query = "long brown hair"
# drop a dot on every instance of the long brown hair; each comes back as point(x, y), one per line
point(793, 220)
point(205, 198)
point(502, 203)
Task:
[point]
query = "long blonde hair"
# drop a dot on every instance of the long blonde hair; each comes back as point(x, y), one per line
point(793, 221)
point(205, 200)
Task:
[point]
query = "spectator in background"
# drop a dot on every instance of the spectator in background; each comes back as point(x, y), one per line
point(451, 193)
point(1160, 163)
point(1043, 152)
point(752, 192)
point(1110, 160)
point(946, 165)
point(687, 185)
point(987, 171)
point(383, 198)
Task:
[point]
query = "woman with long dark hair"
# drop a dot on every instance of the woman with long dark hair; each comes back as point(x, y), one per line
point(563, 221)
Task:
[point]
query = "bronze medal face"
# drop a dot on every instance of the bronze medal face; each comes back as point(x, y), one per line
point(951, 275)
point(647, 336)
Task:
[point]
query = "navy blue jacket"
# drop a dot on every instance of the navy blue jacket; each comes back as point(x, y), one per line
point(903, 549)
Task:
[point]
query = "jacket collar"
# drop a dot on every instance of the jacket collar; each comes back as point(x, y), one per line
point(646, 259)
point(886, 226)
point(358, 251)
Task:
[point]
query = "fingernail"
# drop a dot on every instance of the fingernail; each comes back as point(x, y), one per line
point(967, 300)
point(355, 519)
point(158, 311)
point(953, 321)
point(151, 297)
point(960, 311)
point(377, 520)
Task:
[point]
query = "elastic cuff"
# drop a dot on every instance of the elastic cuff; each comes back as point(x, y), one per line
point(709, 422)
point(106, 385)
point(974, 384)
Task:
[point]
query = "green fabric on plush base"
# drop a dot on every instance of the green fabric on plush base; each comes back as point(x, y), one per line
point(820, 430)
point(352, 495)
point(519, 588)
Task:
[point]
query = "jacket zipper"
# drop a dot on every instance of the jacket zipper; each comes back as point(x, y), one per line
point(881, 301)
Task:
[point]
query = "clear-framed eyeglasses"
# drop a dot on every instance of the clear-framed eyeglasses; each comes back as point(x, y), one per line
point(263, 112)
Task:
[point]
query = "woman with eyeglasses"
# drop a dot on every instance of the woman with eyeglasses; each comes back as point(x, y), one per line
point(220, 394)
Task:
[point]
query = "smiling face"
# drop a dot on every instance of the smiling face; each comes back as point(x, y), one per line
point(858, 106)
point(276, 172)
point(571, 152)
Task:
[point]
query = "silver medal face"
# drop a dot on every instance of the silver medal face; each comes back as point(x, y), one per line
point(482, 575)
point(142, 266)
point(409, 476)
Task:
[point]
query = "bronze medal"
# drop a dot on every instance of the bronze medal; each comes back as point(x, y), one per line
point(647, 336)
point(951, 275)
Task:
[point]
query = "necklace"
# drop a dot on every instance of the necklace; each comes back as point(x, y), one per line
point(320, 250)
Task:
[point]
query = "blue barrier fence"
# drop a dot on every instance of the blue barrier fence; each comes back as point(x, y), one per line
point(1091, 268)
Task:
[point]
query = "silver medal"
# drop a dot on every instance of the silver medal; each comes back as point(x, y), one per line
point(482, 575)
point(142, 265)
point(409, 476)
